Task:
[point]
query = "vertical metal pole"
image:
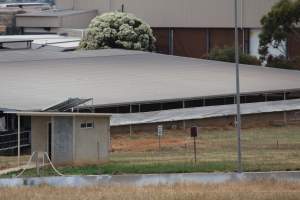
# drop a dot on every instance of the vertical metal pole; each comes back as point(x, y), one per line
point(171, 41)
point(207, 41)
point(19, 140)
point(284, 113)
point(109, 5)
point(130, 126)
point(195, 150)
point(183, 122)
point(238, 97)
point(159, 143)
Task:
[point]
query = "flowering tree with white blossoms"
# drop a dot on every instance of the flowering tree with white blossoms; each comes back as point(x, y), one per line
point(118, 30)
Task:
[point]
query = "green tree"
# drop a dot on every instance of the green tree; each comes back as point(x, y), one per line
point(118, 30)
point(278, 24)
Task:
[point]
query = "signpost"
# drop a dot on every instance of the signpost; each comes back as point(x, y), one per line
point(194, 134)
point(160, 132)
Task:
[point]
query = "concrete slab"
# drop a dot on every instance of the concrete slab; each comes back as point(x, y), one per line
point(151, 179)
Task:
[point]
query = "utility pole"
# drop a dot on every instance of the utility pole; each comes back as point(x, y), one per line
point(238, 96)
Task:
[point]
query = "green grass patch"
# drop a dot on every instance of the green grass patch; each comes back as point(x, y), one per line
point(127, 168)
point(152, 168)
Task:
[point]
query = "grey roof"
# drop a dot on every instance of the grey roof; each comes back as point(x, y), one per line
point(9, 40)
point(46, 56)
point(40, 42)
point(36, 79)
point(53, 13)
point(204, 112)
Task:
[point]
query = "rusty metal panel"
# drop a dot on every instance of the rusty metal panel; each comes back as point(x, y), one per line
point(162, 36)
point(293, 46)
point(224, 37)
point(190, 42)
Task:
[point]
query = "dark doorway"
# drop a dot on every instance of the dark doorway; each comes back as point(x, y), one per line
point(49, 140)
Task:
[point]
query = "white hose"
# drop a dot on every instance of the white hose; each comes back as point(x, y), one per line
point(27, 165)
point(30, 160)
point(47, 156)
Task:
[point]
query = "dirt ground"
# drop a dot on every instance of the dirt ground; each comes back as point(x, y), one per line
point(12, 161)
point(276, 148)
point(139, 142)
point(228, 191)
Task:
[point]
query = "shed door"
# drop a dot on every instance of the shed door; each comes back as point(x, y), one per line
point(62, 138)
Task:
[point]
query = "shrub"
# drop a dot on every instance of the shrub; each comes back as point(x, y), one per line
point(228, 55)
point(118, 30)
point(283, 62)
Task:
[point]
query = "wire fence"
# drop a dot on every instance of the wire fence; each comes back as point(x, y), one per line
point(9, 142)
point(265, 148)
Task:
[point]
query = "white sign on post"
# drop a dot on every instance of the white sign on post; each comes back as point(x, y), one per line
point(160, 130)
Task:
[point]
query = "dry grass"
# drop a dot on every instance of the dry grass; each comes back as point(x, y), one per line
point(12, 161)
point(270, 148)
point(229, 191)
point(263, 149)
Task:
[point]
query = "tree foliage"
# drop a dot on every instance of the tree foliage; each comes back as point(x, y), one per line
point(281, 21)
point(118, 30)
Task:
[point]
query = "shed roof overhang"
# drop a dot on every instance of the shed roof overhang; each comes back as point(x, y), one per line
point(57, 114)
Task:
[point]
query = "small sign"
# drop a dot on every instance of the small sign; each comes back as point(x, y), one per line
point(194, 132)
point(160, 130)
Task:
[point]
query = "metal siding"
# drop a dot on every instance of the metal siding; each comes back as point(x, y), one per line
point(179, 13)
point(190, 42)
point(294, 45)
point(62, 139)
point(162, 36)
point(195, 13)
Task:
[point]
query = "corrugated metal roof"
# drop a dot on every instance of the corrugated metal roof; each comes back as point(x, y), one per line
point(203, 112)
point(54, 13)
point(58, 42)
point(36, 80)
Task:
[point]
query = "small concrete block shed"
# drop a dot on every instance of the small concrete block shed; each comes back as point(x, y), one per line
point(70, 137)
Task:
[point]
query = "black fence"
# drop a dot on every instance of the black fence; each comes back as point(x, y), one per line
point(9, 142)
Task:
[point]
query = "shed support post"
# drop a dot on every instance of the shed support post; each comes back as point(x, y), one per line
point(184, 123)
point(19, 142)
point(207, 41)
point(171, 41)
point(284, 113)
point(130, 126)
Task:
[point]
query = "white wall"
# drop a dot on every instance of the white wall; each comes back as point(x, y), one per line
point(181, 13)
point(254, 44)
point(196, 13)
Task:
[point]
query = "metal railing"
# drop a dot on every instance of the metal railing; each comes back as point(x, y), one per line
point(9, 140)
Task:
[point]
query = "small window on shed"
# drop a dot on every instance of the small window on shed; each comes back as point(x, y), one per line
point(89, 124)
point(83, 125)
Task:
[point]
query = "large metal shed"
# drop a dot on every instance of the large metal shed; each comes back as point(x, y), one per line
point(69, 137)
point(120, 77)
